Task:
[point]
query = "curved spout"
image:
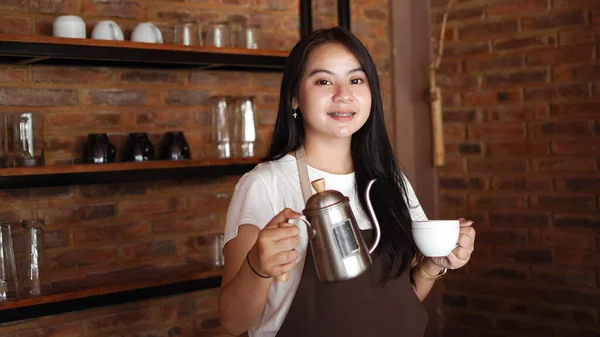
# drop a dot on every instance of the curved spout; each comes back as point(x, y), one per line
point(373, 216)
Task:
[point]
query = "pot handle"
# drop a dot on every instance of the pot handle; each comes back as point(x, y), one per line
point(311, 231)
point(375, 222)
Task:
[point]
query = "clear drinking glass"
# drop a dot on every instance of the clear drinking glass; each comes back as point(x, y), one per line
point(27, 139)
point(34, 236)
point(189, 34)
point(219, 34)
point(222, 125)
point(9, 284)
point(252, 36)
point(244, 131)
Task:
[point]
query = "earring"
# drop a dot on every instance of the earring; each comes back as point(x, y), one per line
point(295, 114)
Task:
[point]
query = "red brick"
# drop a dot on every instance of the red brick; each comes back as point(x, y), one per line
point(504, 236)
point(55, 74)
point(469, 148)
point(465, 49)
point(13, 74)
point(457, 183)
point(575, 110)
point(77, 213)
point(520, 113)
point(585, 72)
point(108, 234)
point(16, 25)
point(564, 238)
point(152, 206)
point(65, 143)
point(516, 148)
point(151, 76)
point(578, 184)
point(55, 239)
point(568, 91)
point(570, 146)
point(563, 164)
point(206, 204)
point(179, 310)
point(123, 319)
point(165, 118)
point(512, 78)
point(524, 42)
point(561, 128)
point(487, 29)
point(149, 251)
point(496, 165)
point(569, 4)
point(596, 15)
point(119, 9)
point(210, 78)
point(575, 258)
point(454, 131)
point(38, 97)
point(188, 98)
point(579, 36)
point(118, 97)
point(525, 326)
point(460, 14)
point(456, 81)
point(72, 120)
point(553, 20)
point(374, 13)
point(186, 225)
point(560, 56)
point(516, 7)
point(492, 97)
point(110, 190)
point(496, 202)
point(82, 258)
point(531, 183)
point(577, 222)
point(512, 219)
point(502, 131)
point(453, 200)
point(453, 165)
point(494, 63)
point(276, 5)
point(463, 115)
point(568, 203)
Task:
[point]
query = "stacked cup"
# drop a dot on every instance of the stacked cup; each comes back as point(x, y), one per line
point(436, 237)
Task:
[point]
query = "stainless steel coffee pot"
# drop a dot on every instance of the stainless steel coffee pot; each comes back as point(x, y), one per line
point(338, 248)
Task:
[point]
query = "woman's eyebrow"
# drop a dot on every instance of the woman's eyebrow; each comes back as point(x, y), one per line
point(329, 72)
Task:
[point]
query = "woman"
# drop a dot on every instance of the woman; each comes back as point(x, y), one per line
point(330, 125)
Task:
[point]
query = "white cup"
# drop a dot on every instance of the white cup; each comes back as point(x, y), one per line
point(436, 237)
point(107, 30)
point(146, 32)
point(70, 26)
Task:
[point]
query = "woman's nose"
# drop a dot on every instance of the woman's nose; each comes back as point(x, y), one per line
point(342, 93)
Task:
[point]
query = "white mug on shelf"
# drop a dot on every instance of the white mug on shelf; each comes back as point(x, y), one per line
point(107, 30)
point(146, 32)
point(70, 26)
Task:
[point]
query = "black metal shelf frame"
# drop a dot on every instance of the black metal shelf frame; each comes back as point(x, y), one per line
point(64, 55)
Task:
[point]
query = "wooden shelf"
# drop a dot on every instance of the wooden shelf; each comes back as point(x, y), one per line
point(61, 175)
point(108, 289)
point(28, 49)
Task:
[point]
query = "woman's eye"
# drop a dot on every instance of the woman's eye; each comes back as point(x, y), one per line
point(356, 81)
point(323, 82)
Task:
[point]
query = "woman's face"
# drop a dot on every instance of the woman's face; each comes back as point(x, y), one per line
point(334, 96)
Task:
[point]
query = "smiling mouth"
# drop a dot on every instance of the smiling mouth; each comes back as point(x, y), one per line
point(341, 114)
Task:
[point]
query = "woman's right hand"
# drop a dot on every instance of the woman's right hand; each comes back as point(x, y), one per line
point(274, 252)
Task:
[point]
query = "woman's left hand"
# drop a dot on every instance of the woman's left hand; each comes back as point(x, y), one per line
point(462, 253)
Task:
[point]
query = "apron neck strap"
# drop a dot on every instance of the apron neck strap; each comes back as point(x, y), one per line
point(303, 173)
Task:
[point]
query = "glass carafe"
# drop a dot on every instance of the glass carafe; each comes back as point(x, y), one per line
point(32, 279)
point(27, 142)
point(9, 284)
point(244, 131)
point(222, 125)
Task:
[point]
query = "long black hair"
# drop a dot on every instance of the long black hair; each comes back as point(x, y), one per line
point(372, 153)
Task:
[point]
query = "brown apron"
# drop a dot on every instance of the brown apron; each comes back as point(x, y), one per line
point(357, 307)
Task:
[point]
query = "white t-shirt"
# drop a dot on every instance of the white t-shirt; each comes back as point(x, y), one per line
point(265, 191)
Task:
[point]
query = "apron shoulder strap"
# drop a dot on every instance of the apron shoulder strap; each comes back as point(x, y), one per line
point(303, 173)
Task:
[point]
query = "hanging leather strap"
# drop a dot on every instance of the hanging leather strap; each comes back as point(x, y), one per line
point(303, 173)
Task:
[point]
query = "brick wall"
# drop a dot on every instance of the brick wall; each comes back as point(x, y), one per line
point(110, 229)
point(522, 135)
